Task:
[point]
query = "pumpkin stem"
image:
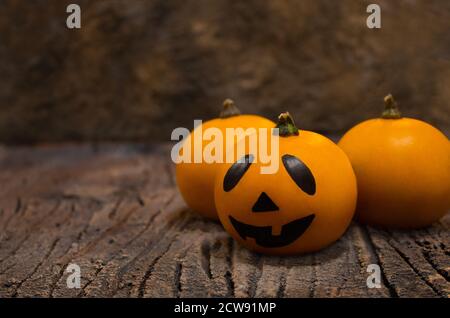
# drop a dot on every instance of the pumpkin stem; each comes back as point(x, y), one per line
point(286, 125)
point(229, 109)
point(391, 110)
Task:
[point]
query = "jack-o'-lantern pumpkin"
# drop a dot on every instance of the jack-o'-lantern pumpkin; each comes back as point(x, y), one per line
point(195, 180)
point(307, 204)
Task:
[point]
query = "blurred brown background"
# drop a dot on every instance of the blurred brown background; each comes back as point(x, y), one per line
point(137, 69)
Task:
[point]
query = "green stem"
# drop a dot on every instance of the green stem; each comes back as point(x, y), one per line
point(286, 125)
point(229, 109)
point(391, 110)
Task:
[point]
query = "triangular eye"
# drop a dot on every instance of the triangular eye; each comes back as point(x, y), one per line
point(300, 173)
point(236, 171)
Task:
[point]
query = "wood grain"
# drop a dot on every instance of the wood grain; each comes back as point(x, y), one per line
point(114, 210)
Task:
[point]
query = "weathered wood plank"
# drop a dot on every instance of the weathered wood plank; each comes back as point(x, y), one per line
point(400, 268)
point(114, 210)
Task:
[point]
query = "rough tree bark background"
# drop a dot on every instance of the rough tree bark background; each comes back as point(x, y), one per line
point(137, 69)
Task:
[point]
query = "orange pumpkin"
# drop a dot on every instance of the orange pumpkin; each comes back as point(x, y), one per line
point(196, 180)
point(307, 204)
point(402, 166)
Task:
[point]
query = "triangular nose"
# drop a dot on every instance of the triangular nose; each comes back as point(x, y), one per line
point(264, 204)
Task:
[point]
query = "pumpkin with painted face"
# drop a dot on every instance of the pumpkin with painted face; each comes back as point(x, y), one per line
point(307, 204)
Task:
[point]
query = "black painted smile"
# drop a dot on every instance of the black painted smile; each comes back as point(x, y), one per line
point(263, 234)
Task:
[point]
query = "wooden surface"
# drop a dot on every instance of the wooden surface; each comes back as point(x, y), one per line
point(114, 210)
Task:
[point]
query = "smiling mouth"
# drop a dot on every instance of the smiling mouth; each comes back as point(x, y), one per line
point(263, 234)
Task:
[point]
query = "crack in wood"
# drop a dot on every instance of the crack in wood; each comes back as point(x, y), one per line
point(57, 279)
point(427, 256)
point(368, 238)
point(63, 221)
point(149, 222)
point(228, 274)
point(150, 269)
point(114, 210)
point(181, 223)
point(348, 270)
point(282, 286)
point(415, 270)
point(139, 199)
point(363, 247)
point(11, 215)
point(68, 257)
point(83, 289)
point(177, 279)
point(312, 287)
point(110, 230)
point(35, 269)
point(18, 207)
point(103, 235)
point(205, 260)
point(256, 276)
point(28, 233)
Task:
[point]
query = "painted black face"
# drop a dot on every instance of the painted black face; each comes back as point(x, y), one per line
point(303, 178)
point(290, 232)
point(296, 169)
point(300, 173)
point(236, 171)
